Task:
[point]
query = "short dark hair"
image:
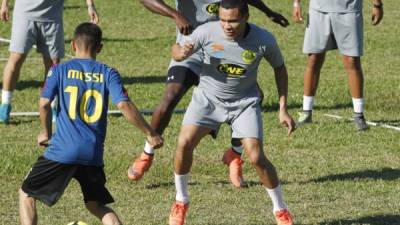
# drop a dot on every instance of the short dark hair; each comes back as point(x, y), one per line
point(88, 36)
point(236, 4)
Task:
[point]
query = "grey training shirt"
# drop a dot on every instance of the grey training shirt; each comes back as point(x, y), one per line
point(39, 10)
point(336, 6)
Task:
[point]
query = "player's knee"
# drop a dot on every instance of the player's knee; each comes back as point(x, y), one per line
point(315, 60)
point(184, 142)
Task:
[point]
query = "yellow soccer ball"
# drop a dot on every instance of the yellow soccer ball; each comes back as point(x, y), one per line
point(77, 223)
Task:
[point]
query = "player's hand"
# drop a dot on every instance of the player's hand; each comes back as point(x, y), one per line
point(43, 139)
point(377, 15)
point(155, 140)
point(297, 14)
point(278, 18)
point(183, 24)
point(94, 17)
point(4, 15)
point(287, 121)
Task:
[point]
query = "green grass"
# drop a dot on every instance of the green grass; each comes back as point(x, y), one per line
point(331, 174)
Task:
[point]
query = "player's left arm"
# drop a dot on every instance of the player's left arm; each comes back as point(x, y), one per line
point(94, 17)
point(45, 122)
point(377, 12)
point(274, 16)
point(281, 80)
point(181, 52)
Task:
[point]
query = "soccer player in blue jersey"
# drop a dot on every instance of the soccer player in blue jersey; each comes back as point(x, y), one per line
point(76, 148)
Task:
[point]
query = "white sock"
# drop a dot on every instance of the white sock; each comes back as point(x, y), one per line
point(238, 149)
point(308, 103)
point(181, 185)
point(148, 149)
point(277, 198)
point(358, 105)
point(6, 96)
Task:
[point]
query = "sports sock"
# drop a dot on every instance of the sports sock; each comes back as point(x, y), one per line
point(6, 96)
point(238, 149)
point(358, 105)
point(277, 198)
point(181, 185)
point(308, 103)
point(148, 149)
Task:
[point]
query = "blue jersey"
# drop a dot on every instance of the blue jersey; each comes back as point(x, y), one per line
point(82, 87)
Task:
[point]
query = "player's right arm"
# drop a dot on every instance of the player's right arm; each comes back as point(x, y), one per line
point(182, 52)
point(132, 114)
point(159, 7)
point(297, 17)
point(4, 12)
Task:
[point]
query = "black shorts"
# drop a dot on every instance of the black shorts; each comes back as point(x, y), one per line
point(48, 179)
point(182, 75)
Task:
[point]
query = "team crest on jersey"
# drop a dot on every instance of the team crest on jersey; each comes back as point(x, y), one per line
point(248, 56)
point(49, 73)
point(231, 70)
point(213, 8)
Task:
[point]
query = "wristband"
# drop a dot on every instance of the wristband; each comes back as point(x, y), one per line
point(296, 5)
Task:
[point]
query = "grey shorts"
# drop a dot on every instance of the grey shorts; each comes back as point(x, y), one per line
point(327, 31)
point(194, 62)
point(243, 115)
point(47, 36)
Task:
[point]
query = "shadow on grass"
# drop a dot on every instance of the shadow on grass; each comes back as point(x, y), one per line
point(389, 122)
point(68, 7)
point(247, 183)
point(275, 106)
point(373, 220)
point(384, 174)
point(144, 79)
point(167, 184)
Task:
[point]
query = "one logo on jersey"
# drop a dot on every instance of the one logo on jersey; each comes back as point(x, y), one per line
point(231, 70)
point(49, 73)
point(248, 56)
point(213, 8)
point(217, 50)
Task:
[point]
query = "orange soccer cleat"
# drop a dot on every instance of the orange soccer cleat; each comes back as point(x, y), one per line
point(234, 162)
point(178, 213)
point(283, 217)
point(139, 166)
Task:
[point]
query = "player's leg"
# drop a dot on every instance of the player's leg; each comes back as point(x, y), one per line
point(92, 181)
point(23, 36)
point(179, 80)
point(189, 137)
point(269, 178)
point(350, 37)
point(51, 45)
point(104, 213)
point(45, 182)
point(27, 209)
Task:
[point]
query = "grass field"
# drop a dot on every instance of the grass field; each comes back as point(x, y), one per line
point(331, 174)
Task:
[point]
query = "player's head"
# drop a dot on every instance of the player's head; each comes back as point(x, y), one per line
point(233, 16)
point(87, 38)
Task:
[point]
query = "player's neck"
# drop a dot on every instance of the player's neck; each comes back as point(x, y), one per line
point(85, 55)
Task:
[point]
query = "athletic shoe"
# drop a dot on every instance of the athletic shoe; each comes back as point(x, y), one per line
point(304, 118)
point(234, 162)
point(283, 217)
point(139, 166)
point(5, 110)
point(178, 213)
point(53, 114)
point(360, 122)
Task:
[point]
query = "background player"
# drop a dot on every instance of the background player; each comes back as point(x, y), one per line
point(76, 149)
point(182, 75)
point(35, 22)
point(227, 93)
point(326, 30)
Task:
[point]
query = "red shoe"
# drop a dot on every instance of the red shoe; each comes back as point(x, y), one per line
point(178, 213)
point(283, 217)
point(234, 162)
point(139, 166)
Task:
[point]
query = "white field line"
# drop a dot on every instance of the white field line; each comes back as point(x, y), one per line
point(368, 122)
point(110, 112)
point(34, 46)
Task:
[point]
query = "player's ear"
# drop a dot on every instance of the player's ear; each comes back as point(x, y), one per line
point(73, 46)
point(99, 48)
